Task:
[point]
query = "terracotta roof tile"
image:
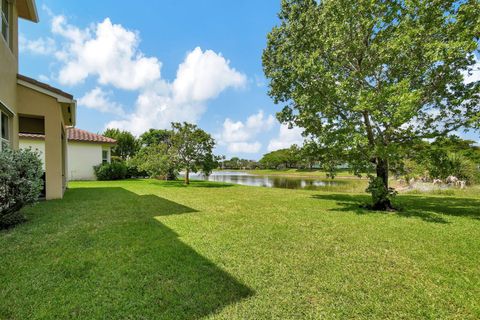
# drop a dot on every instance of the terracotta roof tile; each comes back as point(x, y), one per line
point(75, 134)
point(34, 136)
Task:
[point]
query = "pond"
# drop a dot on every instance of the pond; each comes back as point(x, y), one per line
point(247, 179)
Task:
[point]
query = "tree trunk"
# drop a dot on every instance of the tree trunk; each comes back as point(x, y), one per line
point(187, 176)
point(383, 202)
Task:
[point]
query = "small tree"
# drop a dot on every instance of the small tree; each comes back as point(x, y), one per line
point(192, 147)
point(127, 145)
point(365, 78)
point(20, 183)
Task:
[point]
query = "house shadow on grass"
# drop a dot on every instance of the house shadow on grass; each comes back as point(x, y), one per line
point(427, 208)
point(122, 262)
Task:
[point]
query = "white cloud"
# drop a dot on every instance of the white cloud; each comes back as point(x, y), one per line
point(286, 138)
point(42, 46)
point(474, 74)
point(100, 100)
point(203, 75)
point(244, 147)
point(184, 99)
point(240, 137)
point(106, 50)
point(110, 53)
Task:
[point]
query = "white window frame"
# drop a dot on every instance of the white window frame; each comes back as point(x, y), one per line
point(5, 20)
point(105, 160)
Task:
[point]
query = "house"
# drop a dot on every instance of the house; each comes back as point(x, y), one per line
point(28, 106)
point(84, 149)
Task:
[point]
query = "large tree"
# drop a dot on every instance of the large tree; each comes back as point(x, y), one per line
point(364, 78)
point(127, 145)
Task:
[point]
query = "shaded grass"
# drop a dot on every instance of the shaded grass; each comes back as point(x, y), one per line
point(159, 250)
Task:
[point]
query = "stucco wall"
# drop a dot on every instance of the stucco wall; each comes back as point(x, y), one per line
point(82, 157)
point(8, 76)
point(34, 103)
point(36, 145)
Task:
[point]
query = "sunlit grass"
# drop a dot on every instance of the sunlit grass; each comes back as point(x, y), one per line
point(150, 249)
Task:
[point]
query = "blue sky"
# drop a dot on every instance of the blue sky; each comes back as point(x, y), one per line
point(221, 39)
point(144, 64)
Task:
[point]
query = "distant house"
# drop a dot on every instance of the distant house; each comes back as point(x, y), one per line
point(84, 151)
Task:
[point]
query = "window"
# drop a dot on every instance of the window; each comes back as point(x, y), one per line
point(4, 130)
point(104, 156)
point(5, 17)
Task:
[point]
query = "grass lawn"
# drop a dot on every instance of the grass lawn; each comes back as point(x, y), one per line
point(158, 250)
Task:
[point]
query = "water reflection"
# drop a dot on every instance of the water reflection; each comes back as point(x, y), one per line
point(246, 179)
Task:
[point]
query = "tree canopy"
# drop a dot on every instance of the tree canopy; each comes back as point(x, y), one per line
point(127, 145)
point(365, 79)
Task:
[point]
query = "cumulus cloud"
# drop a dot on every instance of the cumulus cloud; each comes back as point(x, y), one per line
point(106, 50)
point(100, 100)
point(110, 53)
point(41, 46)
point(286, 138)
point(240, 137)
point(203, 75)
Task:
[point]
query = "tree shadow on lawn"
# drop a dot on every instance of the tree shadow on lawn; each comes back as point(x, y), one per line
point(429, 209)
point(121, 261)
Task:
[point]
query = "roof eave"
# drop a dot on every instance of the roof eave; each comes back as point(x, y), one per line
point(31, 12)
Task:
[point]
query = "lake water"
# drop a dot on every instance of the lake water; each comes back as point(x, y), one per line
point(247, 179)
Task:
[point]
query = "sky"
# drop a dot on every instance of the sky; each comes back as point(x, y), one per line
point(143, 64)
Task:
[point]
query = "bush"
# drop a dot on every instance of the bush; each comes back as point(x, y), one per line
point(133, 171)
point(111, 171)
point(20, 184)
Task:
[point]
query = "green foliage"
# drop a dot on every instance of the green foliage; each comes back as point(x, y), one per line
point(156, 136)
point(192, 148)
point(111, 171)
point(366, 78)
point(237, 163)
point(157, 160)
point(283, 158)
point(127, 145)
point(20, 183)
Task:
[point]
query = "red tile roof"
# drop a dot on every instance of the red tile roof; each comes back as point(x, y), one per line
point(45, 86)
point(74, 134)
point(34, 136)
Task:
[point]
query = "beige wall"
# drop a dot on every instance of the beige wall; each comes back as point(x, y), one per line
point(34, 103)
point(8, 74)
point(36, 145)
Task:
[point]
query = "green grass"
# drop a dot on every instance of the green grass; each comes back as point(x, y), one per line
point(159, 250)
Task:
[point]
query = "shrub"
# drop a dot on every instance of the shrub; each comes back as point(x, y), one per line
point(133, 171)
point(111, 171)
point(20, 183)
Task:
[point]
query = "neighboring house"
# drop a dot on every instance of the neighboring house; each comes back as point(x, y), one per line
point(85, 150)
point(31, 107)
